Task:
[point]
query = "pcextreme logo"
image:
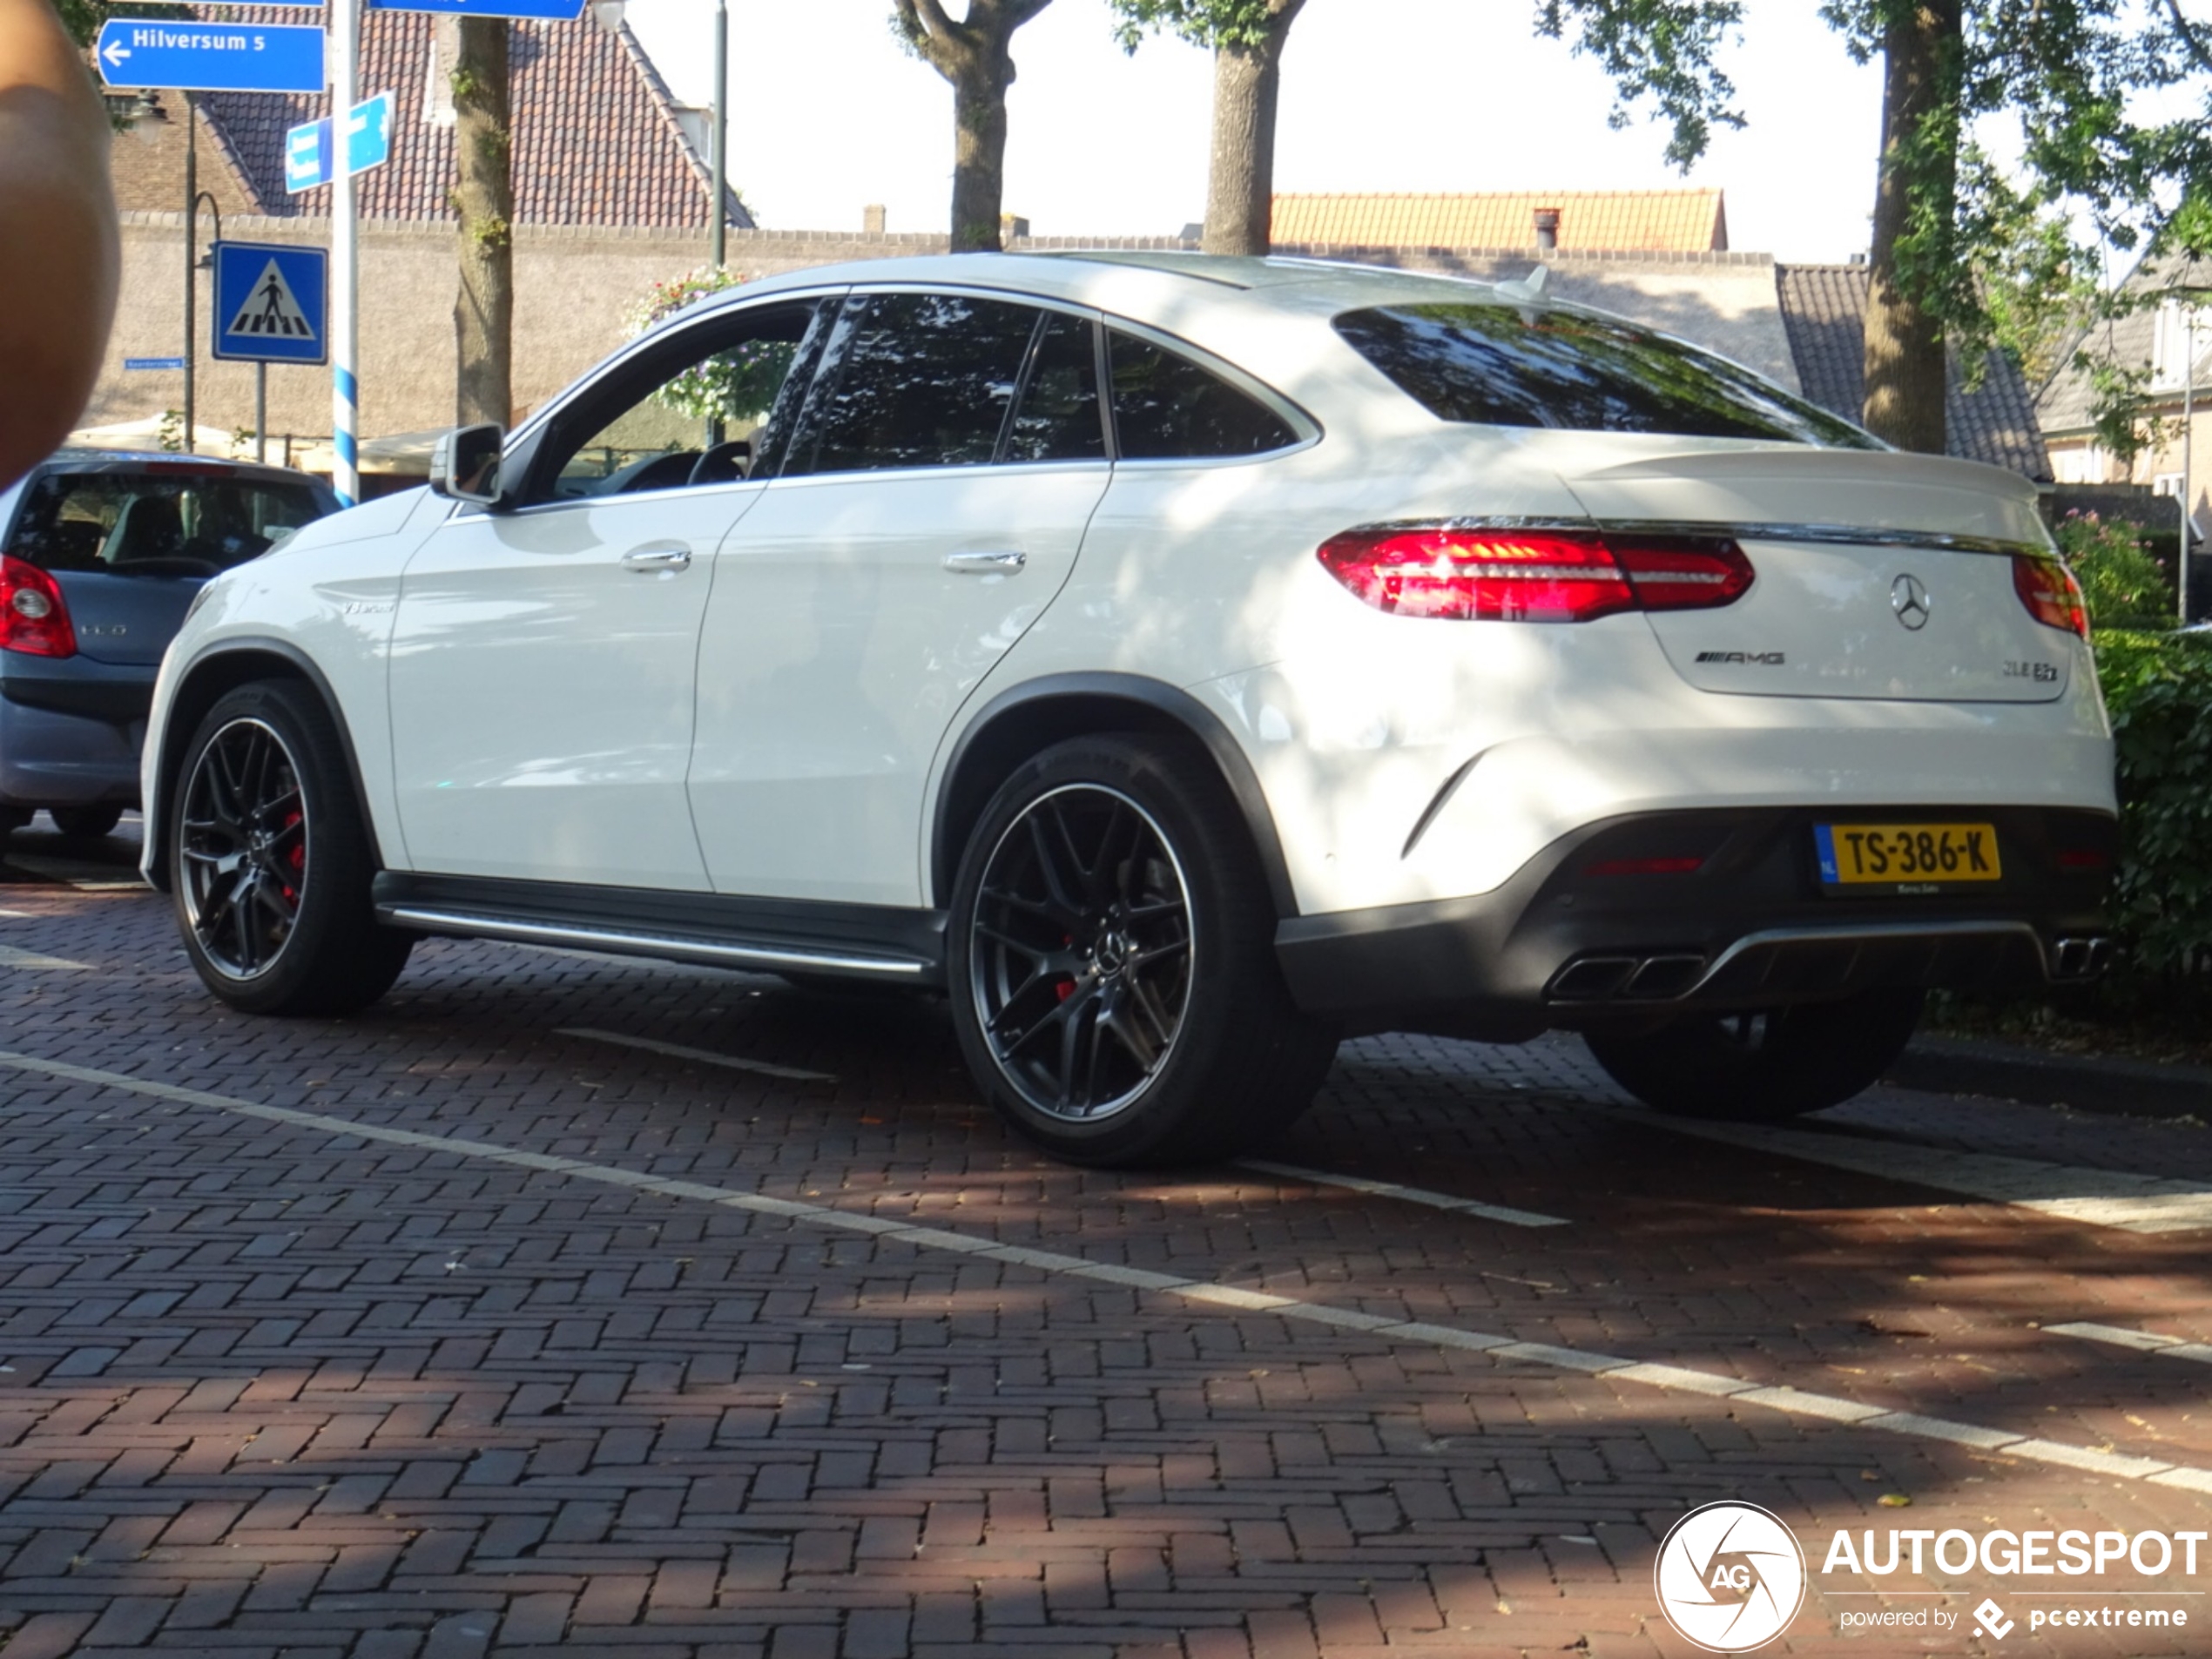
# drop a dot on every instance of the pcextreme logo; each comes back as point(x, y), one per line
point(1729, 1577)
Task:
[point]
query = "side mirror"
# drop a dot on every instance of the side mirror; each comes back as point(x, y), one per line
point(465, 465)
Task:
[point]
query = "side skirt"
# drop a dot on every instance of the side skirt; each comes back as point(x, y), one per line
point(877, 942)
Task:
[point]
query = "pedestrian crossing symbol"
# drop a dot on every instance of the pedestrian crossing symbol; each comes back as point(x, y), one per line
point(270, 303)
point(270, 310)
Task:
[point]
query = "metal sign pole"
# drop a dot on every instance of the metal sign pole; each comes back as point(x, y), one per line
point(191, 256)
point(721, 147)
point(261, 412)
point(345, 387)
point(2188, 421)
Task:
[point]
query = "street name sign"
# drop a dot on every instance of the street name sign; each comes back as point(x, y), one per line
point(307, 150)
point(549, 10)
point(153, 362)
point(271, 303)
point(211, 56)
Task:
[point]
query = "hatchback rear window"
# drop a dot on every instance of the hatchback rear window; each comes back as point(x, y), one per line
point(1503, 366)
point(182, 523)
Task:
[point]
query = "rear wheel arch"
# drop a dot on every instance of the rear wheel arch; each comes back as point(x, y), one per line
point(238, 662)
point(1027, 719)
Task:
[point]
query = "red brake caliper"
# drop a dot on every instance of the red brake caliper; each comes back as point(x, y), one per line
point(297, 858)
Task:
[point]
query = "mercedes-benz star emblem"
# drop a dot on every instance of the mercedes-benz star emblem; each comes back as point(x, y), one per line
point(1910, 600)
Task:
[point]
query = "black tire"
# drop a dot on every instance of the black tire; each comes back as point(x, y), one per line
point(270, 861)
point(1155, 1028)
point(86, 823)
point(1764, 1067)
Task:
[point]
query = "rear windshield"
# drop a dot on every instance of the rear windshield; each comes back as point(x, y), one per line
point(1504, 366)
point(182, 523)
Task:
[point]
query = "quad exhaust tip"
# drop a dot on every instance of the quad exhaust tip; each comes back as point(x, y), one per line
point(2076, 957)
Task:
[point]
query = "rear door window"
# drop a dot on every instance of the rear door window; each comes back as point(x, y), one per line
point(1167, 408)
point(171, 522)
point(1497, 365)
point(915, 380)
point(1057, 417)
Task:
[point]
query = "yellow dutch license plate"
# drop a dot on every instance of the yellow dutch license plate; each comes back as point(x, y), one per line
point(1907, 854)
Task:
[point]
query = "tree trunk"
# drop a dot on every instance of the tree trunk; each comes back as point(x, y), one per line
point(1240, 182)
point(979, 150)
point(483, 196)
point(1905, 359)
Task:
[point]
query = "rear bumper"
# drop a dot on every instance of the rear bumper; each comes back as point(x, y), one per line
point(72, 737)
point(1561, 945)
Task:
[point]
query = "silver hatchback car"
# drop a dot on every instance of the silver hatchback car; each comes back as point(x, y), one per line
point(101, 554)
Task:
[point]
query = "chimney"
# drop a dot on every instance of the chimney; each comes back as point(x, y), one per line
point(1547, 229)
point(873, 218)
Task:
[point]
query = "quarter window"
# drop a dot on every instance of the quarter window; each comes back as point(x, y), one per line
point(1167, 408)
point(915, 380)
point(1497, 365)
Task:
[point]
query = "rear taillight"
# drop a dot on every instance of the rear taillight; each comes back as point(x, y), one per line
point(1482, 575)
point(34, 618)
point(2051, 593)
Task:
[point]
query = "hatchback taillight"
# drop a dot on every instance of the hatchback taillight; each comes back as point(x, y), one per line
point(1485, 574)
point(2051, 593)
point(34, 618)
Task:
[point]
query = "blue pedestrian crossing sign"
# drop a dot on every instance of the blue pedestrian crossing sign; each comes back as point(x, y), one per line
point(271, 303)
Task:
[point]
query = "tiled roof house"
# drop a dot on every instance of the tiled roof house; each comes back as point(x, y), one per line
point(1647, 221)
point(1823, 307)
point(2151, 338)
point(598, 142)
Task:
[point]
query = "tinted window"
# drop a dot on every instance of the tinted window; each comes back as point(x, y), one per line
point(1057, 418)
point(915, 380)
point(1500, 366)
point(169, 522)
point(1166, 406)
point(717, 383)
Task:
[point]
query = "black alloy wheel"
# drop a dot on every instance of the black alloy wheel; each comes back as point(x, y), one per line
point(243, 846)
point(1079, 951)
point(270, 859)
point(1111, 961)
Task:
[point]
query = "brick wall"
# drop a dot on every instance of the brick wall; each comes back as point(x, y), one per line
point(575, 285)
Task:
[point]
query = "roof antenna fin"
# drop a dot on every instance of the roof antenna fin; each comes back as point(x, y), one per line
point(1528, 291)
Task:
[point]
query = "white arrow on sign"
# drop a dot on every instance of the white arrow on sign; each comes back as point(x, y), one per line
point(115, 53)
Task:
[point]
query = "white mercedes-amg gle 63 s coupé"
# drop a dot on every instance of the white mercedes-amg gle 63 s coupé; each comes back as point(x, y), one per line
point(1179, 663)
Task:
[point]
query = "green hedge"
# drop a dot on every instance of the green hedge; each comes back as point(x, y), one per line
point(2158, 687)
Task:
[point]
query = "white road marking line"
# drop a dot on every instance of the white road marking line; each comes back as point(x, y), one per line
point(1409, 1332)
point(20, 915)
point(1409, 1195)
point(11, 957)
point(705, 1055)
point(2135, 1204)
point(2141, 1341)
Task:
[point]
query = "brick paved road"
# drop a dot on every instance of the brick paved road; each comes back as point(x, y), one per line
point(500, 1335)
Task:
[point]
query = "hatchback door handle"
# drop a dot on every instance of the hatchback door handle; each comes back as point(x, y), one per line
point(1008, 563)
point(658, 555)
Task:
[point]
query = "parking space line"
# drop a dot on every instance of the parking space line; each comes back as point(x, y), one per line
point(2117, 1198)
point(706, 1056)
point(2141, 1341)
point(1403, 1331)
point(1511, 1217)
point(11, 957)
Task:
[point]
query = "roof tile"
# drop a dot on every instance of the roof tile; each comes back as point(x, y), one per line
point(1652, 220)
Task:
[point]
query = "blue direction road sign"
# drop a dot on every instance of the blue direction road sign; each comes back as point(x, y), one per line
point(153, 362)
point(271, 303)
point(211, 56)
point(307, 160)
point(560, 11)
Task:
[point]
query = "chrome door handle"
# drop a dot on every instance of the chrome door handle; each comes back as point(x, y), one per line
point(658, 555)
point(1009, 563)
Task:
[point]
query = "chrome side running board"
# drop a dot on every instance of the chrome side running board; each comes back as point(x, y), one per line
point(666, 947)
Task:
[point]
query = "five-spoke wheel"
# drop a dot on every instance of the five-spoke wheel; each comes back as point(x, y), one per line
point(1112, 965)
